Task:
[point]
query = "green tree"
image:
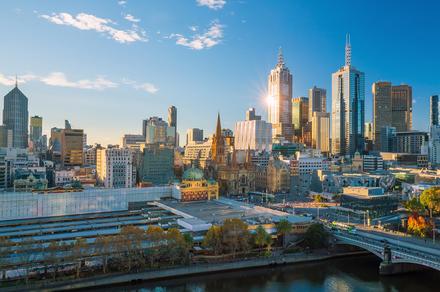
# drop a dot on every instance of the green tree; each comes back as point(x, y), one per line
point(283, 227)
point(316, 236)
point(235, 236)
point(213, 239)
point(176, 248)
point(132, 238)
point(262, 238)
point(155, 237)
point(430, 198)
point(414, 206)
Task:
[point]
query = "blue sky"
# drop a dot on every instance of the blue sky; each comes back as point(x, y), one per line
point(106, 65)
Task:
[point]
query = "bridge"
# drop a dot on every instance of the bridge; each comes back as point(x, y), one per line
point(397, 254)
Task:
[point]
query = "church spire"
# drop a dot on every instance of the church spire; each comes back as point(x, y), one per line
point(347, 50)
point(218, 130)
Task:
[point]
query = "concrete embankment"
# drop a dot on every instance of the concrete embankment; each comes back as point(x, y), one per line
point(118, 278)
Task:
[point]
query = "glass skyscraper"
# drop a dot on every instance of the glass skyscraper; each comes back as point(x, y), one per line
point(348, 108)
point(16, 117)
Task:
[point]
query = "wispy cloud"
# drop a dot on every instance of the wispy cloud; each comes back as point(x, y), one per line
point(59, 79)
point(85, 21)
point(148, 87)
point(122, 2)
point(211, 37)
point(131, 18)
point(212, 4)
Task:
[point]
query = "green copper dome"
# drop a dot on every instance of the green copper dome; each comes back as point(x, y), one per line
point(193, 174)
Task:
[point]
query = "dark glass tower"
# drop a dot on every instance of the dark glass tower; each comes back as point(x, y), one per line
point(16, 117)
point(434, 110)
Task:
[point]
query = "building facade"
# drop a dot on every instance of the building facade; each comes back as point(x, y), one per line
point(253, 134)
point(434, 110)
point(195, 187)
point(72, 147)
point(321, 131)
point(157, 164)
point(317, 101)
point(402, 107)
point(194, 135)
point(36, 134)
point(114, 168)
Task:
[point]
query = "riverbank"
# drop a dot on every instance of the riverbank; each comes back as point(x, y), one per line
point(121, 278)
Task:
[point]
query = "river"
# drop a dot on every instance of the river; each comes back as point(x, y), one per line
point(355, 274)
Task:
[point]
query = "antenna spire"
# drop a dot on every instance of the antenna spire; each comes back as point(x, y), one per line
point(347, 50)
point(280, 57)
point(16, 80)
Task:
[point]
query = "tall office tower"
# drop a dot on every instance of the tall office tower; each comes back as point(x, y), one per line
point(72, 147)
point(279, 100)
point(16, 116)
point(36, 133)
point(157, 166)
point(317, 101)
point(172, 121)
point(434, 110)
point(300, 115)
point(401, 96)
point(321, 131)
point(114, 167)
point(434, 145)
point(382, 110)
point(158, 131)
point(194, 135)
point(348, 107)
point(253, 134)
point(55, 144)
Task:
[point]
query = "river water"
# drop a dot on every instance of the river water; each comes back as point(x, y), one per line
point(355, 274)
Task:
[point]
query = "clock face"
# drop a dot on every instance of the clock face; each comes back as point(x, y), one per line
point(284, 89)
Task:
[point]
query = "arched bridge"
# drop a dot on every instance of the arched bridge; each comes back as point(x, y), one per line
point(396, 254)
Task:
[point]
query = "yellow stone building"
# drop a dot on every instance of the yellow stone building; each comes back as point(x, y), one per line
point(195, 187)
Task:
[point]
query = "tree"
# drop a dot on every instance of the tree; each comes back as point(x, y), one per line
point(318, 199)
point(132, 238)
point(53, 257)
point(155, 236)
point(213, 239)
point(316, 236)
point(235, 236)
point(262, 238)
point(430, 198)
point(177, 247)
point(283, 227)
point(418, 226)
point(414, 206)
point(104, 247)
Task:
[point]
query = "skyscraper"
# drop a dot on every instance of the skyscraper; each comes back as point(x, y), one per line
point(72, 147)
point(434, 110)
point(253, 133)
point(172, 121)
point(16, 117)
point(402, 107)
point(158, 131)
point(317, 101)
point(279, 100)
point(194, 135)
point(382, 110)
point(348, 107)
point(36, 133)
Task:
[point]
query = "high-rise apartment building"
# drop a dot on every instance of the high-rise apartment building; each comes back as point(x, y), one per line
point(16, 117)
point(114, 168)
point(348, 108)
point(194, 135)
point(253, 134)
point(300, 115)
point(321, 131)
point(434, 110)
point(402, 107)
point(279, 100)
point(410, 142)
point(317, 101)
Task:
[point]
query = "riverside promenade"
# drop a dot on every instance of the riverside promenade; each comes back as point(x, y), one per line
point(190, 270)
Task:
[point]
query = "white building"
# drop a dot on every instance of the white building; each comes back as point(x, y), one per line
point(303, 167)
point(253, 134)
point(321, 131)
point(63, 177)
point(434, 145)
point(114, 168)
point(200, 151)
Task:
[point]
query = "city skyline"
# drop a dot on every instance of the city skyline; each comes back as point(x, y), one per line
point(77, 78)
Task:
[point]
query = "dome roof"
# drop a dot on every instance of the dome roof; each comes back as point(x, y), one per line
point(193, 174)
